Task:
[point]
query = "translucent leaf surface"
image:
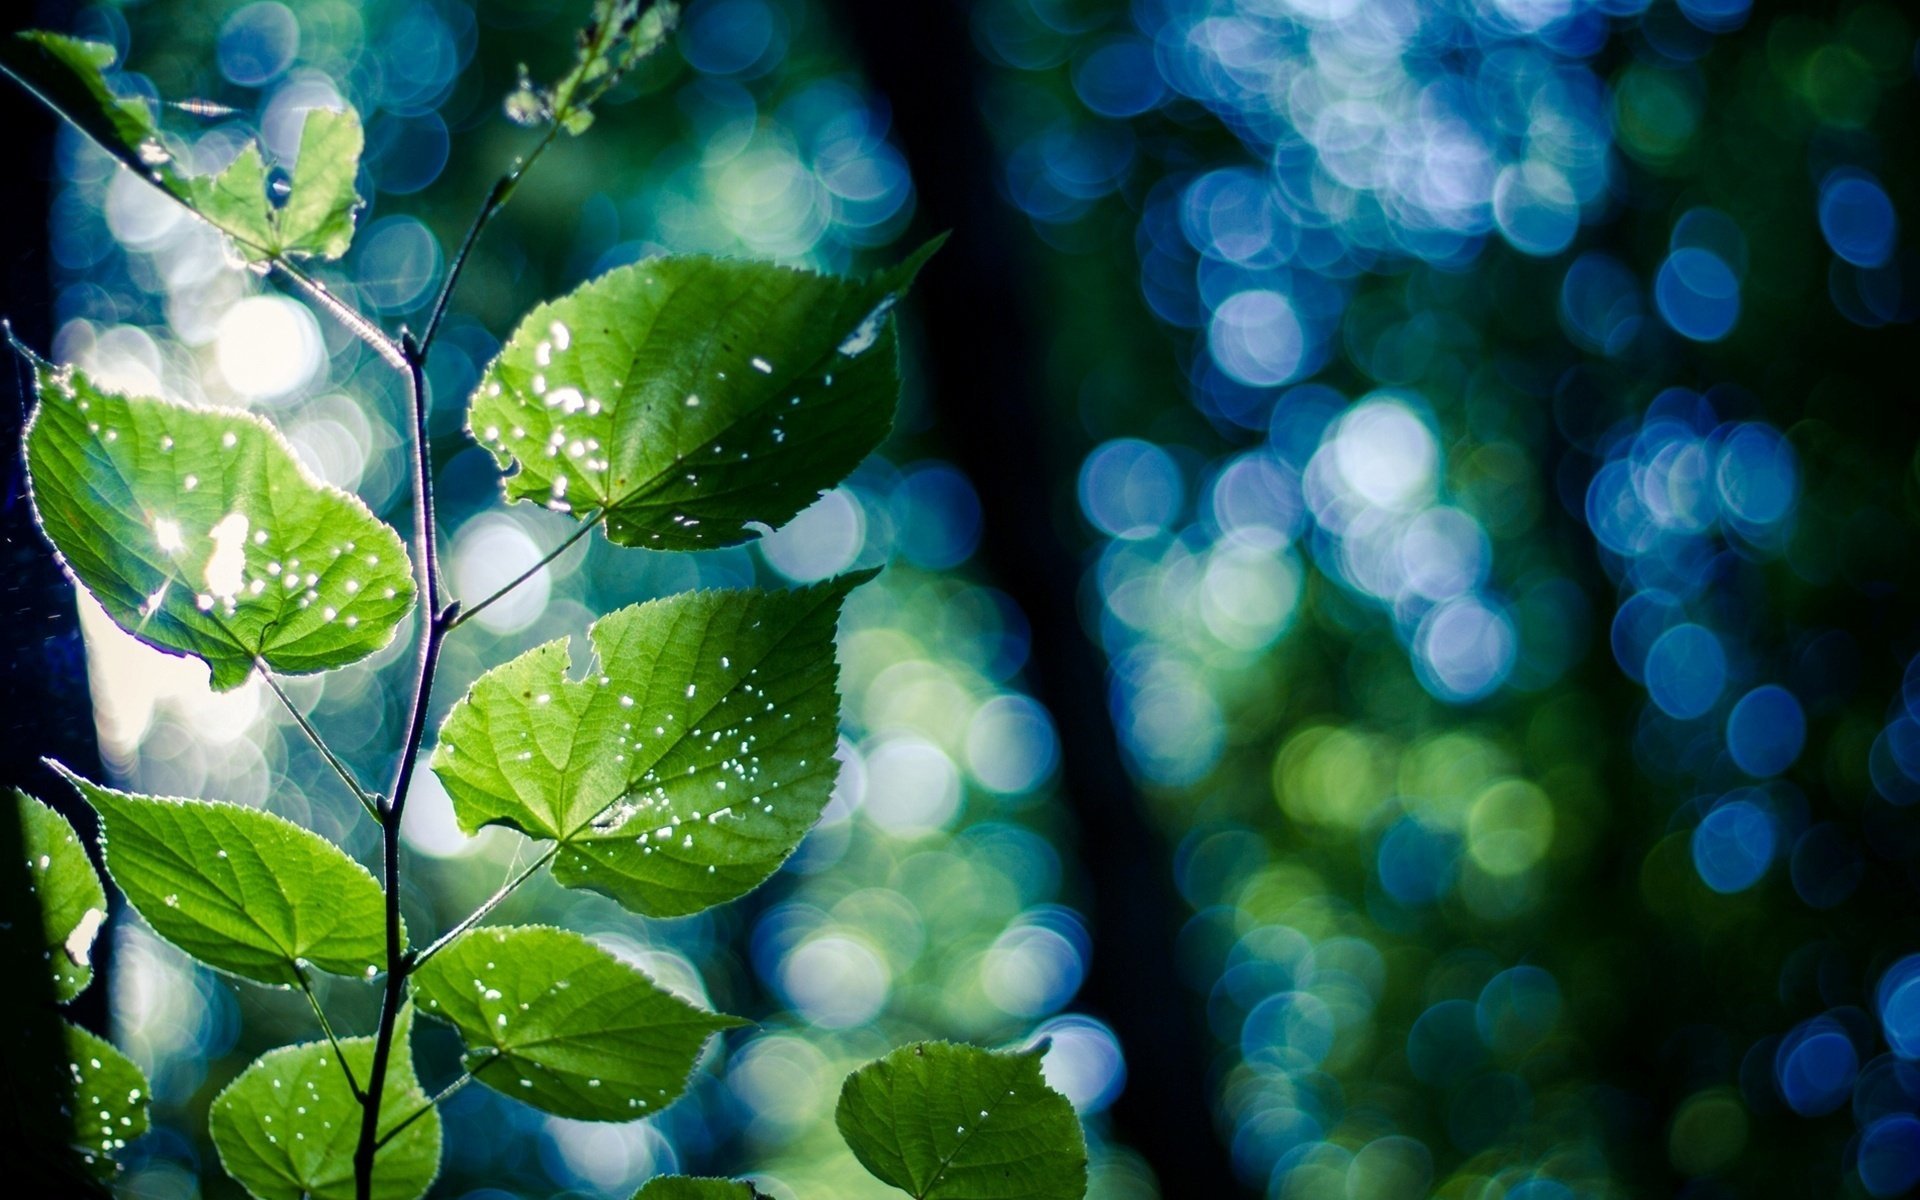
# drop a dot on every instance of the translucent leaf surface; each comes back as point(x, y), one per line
point(201, 533)
point(686, 765)
point(947, 1122)
point(686, 1187)
point(240, 889)
point(693, 399)
point(73, 905)
point(556, 1021)
point(70, 76)
point(109, 1103)
point(286, 1128)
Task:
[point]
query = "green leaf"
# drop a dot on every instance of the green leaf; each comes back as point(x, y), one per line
point(286, 1128)
point(317, 218)
point(684, 768)
point(556, 1021)
point(73, 905)
point(692, 400)
point(70, 77)
point(946, 1122)
point(686, 1187)
point(109, 1105)
point(200, 532)
point(240, 889)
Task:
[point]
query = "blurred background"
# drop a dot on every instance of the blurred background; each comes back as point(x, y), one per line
point(1397, 645)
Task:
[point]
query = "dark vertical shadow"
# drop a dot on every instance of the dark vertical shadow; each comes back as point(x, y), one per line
point(45, 707)
point(44, 704)
point(981, 368)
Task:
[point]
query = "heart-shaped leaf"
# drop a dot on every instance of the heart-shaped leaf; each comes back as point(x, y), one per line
point(286, 1128)
point(684, 768)
point(946, 1122)
point(240, 889)
point(691, 401)
point(556, 1021)
point(199, 532)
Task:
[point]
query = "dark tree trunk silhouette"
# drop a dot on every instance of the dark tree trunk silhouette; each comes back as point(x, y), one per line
point(980, 364)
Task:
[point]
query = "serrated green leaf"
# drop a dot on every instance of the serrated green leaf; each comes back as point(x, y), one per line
point(201, 533)
point(69, 75)
point(690, 400)
point(946, 1122)
point(317, 218)
point(73, 905)
point(240, 889)
point(556, 1021)
point(286, 1128)
point(684, 768)
point(109, 1103)
point(686, 1187)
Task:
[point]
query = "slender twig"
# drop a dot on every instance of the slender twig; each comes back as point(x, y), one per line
point(497, 197)
point(356, 322)
point(326, 1027)
point(468, 611)
point(441, 1097)
point(433, 623)
point(319, 743)
point(488, 905)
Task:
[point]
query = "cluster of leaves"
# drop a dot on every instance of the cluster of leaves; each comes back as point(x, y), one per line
point(676, 403)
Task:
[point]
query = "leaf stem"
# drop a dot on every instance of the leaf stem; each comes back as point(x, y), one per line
point(326, 1027)
point(470, 610)
point(441, 1097)
point(356, 322)
point(492, 902)
point(497, 197)
point(346, 775)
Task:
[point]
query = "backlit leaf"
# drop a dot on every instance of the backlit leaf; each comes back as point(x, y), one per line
point(286, 1128)
point(694, 401)
point(556, 1021)
point(240, 889)
point(199, 532)
point(686, 765)
point(73, 905)
point(686, 1187)
point(947, 1122)
point(69, 75)
point(108, 1107)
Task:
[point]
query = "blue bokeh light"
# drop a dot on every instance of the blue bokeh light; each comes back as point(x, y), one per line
point(1766, 731)
point(1733, 846)
point(1815, 1067)
point(1698, 294)
point(1857, 218)
point(1685, 671)
point(1897, 1000)
point(1890, 1156)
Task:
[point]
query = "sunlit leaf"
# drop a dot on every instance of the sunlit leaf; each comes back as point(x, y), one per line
point(686, 1187)
point(240, 889)
point(286, 1128)
point(70, 76)
point(694, 401)
point(685, 766)
point(947, 1122)
point(556, 1021)
point(72, 903)
point(200, 532)
point(108, 1107)
point(317, 217)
